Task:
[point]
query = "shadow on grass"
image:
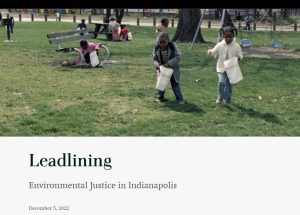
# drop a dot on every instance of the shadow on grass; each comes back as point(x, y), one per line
point(268, 117)
point(186, 108)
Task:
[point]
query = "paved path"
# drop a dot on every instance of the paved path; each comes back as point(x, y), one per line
point(143, 21)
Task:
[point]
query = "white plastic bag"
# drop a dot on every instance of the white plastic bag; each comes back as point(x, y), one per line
point(164, 78)
point(129, 36)
point(233, 70)
point(94, 59)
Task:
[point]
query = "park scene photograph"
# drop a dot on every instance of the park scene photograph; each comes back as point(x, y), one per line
point(150, 72)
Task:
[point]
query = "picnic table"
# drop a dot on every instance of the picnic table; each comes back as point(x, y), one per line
point(102, 28)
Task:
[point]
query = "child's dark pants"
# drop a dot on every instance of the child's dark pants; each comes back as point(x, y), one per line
point(87, 57)
point(175, 88)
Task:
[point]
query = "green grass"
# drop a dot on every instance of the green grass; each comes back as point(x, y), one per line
point(41, 98)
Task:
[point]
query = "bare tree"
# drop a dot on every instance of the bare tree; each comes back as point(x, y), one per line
point(119, 14)
point(187, 26)
point(107, 15)
point(227, 18)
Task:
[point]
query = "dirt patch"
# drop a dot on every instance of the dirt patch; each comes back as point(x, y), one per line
point(268, 52)
point(105, 63)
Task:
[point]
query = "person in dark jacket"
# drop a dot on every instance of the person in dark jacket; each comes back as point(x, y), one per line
point(81, 26)
point(248, 20)
point(11, 23)
point(167, 54)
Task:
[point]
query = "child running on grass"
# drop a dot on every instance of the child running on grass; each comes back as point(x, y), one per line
point(226, 49)
point(167, 54)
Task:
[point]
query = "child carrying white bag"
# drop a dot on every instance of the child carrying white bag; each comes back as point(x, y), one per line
point(166, 57)
point(229, 53)
point(164, 78)
point(233, 70)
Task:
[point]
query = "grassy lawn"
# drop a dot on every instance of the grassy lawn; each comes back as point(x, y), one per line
point(41, 98)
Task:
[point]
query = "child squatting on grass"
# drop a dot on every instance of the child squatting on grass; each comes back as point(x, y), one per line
point(226, 49)
point(86, 49)
point(167, 54)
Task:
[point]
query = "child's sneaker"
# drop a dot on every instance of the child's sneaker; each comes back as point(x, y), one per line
point(226, 103)
point(219, 100)
point(160, 99)
point(181, 102)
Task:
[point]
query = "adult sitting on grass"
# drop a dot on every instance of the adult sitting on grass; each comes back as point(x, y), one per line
point(124, 33)
point(167, 54)
point(115, 29)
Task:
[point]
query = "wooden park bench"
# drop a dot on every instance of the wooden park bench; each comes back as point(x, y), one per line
point(75, 35)
point(83, 34)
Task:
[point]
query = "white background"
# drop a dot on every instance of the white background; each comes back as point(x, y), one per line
point(215, 176)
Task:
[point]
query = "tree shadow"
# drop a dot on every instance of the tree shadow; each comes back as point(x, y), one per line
point(185, 108)
point(228, 107)
point(268, 117)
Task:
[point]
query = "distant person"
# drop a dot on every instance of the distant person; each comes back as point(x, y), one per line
point(46, 12)
point(238, 18)
point(248, 20)
point(11, 23)
point(217, 14)
point(124, 33)
point(226, 49)
point(257, 14)
point(0, 16)
point(115, 29)
point(81, 26)
point(161, 12)
point(163, 27)
point(167, 54)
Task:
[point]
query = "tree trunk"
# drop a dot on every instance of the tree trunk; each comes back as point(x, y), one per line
point(270, 13)
point(285, 13)
point(227, 18)
point(187, 26)
point(107, 15)
point(119, 14)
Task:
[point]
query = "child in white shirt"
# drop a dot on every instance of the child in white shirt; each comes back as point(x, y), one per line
point(226, 49)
